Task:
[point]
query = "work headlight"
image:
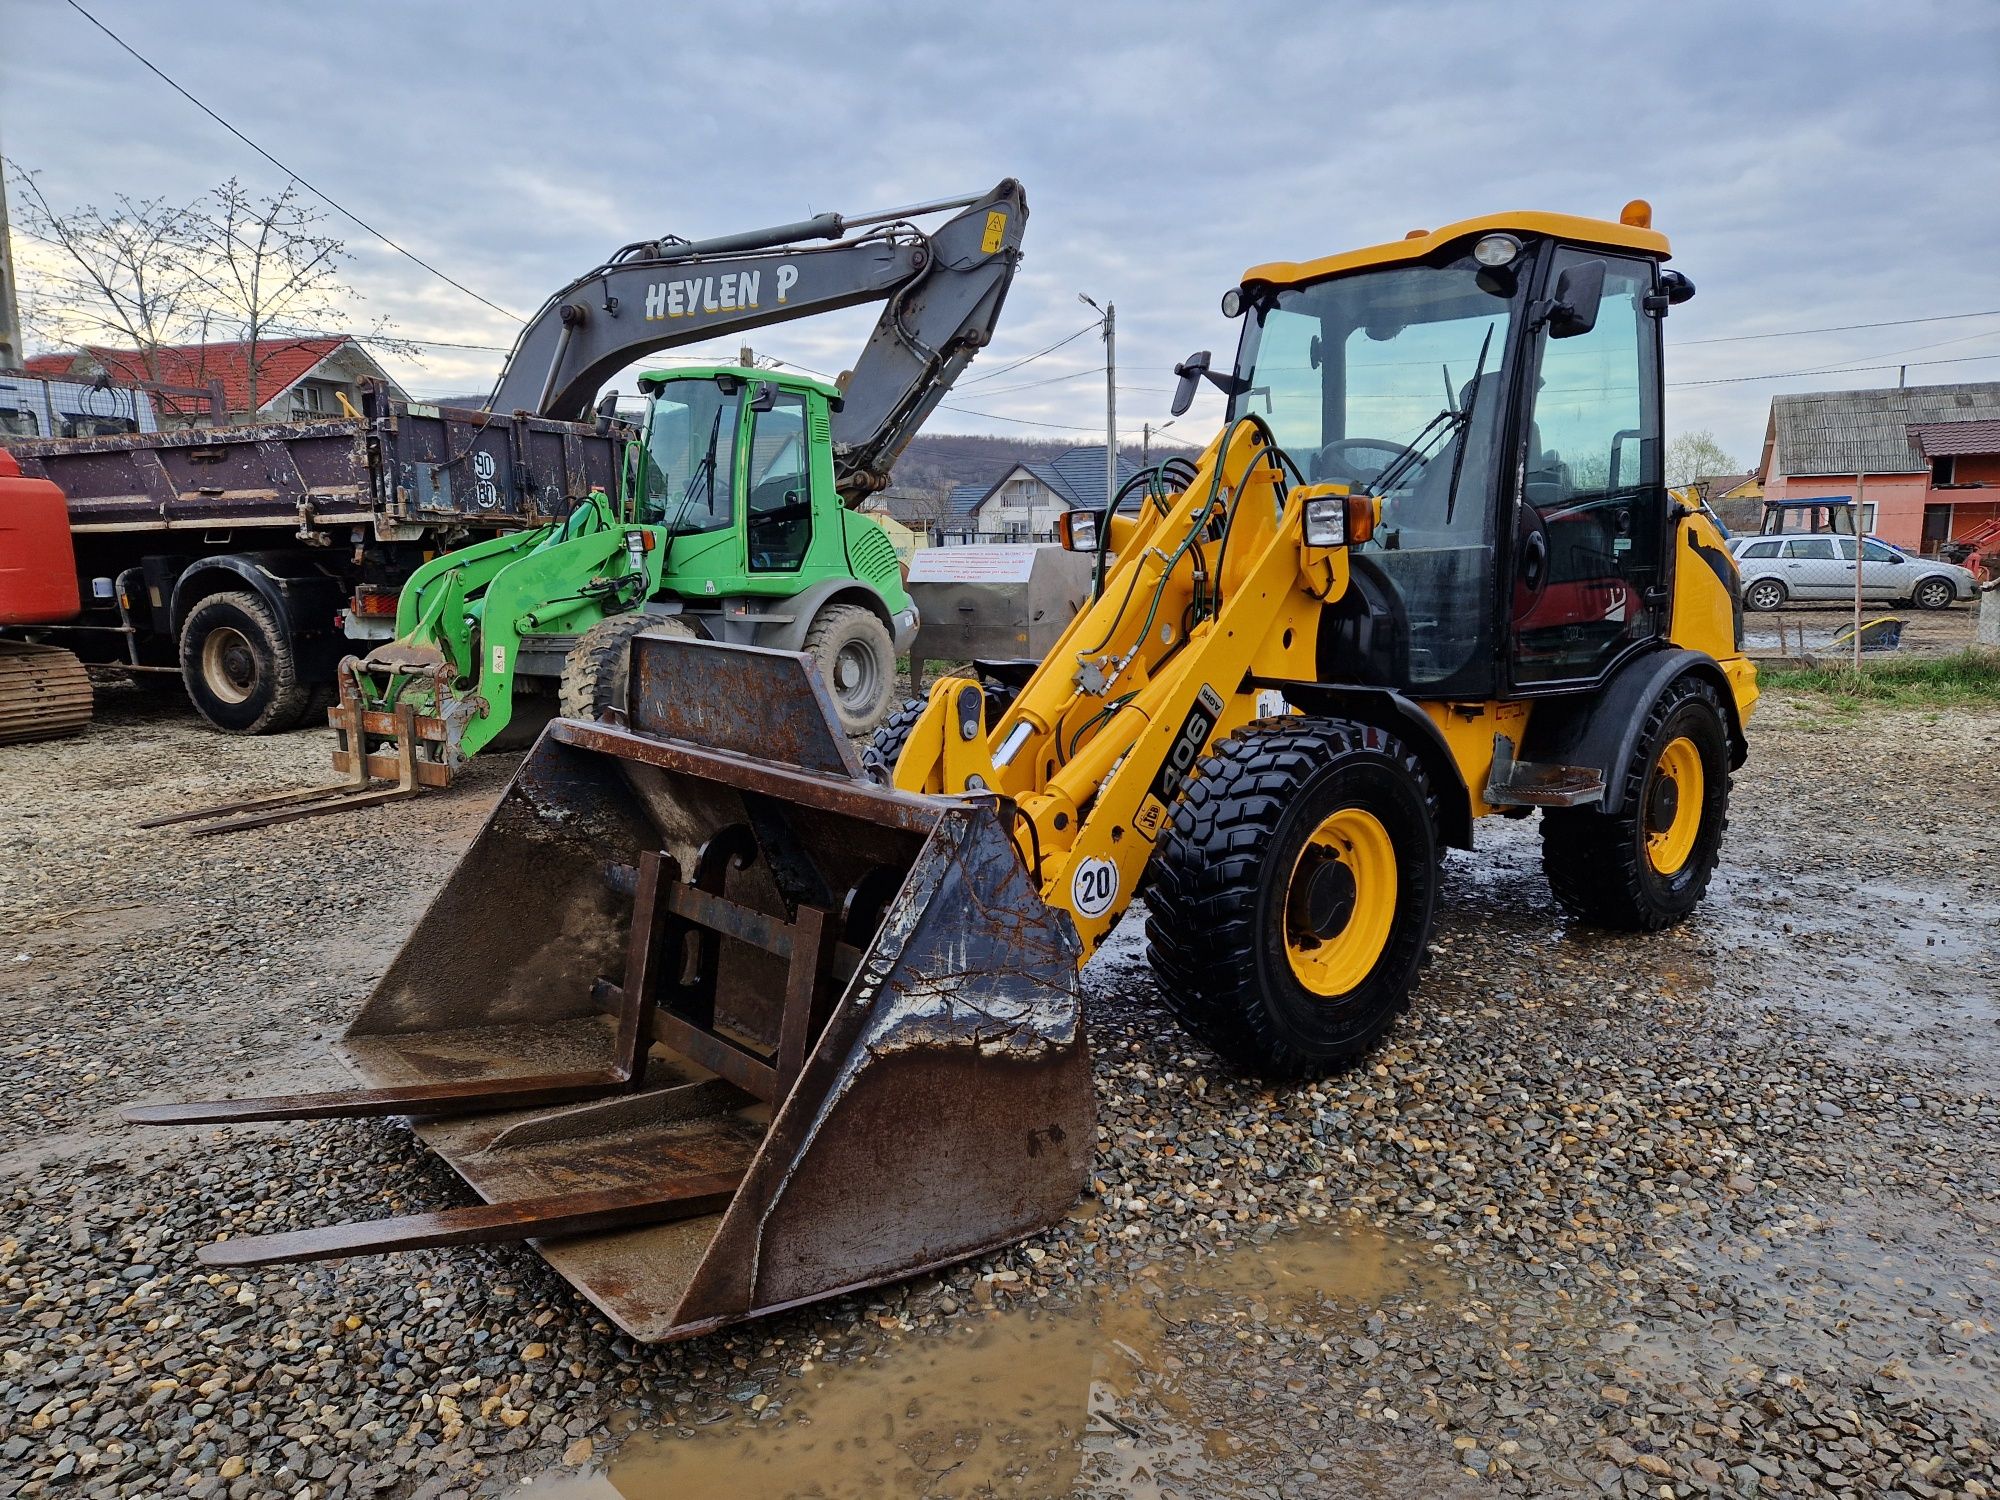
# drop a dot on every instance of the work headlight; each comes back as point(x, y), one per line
point(1326, 521)
point(1496, 250)
point(1077, 530)
point(1232, 302)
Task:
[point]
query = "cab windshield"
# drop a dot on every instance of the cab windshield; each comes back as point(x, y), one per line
point(1392, 381)
point(690, 457)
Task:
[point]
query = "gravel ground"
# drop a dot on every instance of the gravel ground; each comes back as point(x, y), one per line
point(1714, 1211)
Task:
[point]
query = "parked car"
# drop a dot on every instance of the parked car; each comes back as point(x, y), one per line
point(1806, 569)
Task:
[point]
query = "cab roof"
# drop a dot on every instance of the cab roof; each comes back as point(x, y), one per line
point(652, 380)
point(1633, 232)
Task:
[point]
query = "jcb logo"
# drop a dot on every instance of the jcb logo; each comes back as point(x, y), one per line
point(1202, 717)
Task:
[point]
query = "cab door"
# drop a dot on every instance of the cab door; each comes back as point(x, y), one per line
point(778, 506)
point(1590, 535)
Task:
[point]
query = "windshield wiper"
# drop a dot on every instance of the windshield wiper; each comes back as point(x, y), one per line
point(1465, 425)
point(703, 470)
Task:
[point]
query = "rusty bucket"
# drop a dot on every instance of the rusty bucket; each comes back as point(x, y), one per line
point(714, 1023)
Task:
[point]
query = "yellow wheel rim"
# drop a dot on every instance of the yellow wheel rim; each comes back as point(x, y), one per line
point(1340, 902)
point(1673, 805)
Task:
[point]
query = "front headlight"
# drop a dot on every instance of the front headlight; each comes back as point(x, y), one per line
point(1326, 522)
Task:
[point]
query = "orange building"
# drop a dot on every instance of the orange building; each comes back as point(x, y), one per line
point(1922, 457)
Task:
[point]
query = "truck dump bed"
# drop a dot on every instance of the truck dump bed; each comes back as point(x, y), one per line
point(406, 467)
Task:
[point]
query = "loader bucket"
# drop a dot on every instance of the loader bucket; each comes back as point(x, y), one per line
point(716, 1024)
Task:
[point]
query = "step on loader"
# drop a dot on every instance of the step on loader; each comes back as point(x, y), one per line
point(814, 1032)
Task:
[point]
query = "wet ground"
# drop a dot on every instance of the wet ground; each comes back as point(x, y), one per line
point(1712, 1211)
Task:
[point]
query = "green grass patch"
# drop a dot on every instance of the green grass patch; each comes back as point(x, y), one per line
point(1966, 677)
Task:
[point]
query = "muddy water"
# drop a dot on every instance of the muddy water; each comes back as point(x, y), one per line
point(1129, 1393)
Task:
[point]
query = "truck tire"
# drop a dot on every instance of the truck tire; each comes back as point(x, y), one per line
point(1290, 900)
point(598, 666)
point(857, 657)
point(1647, 865)
point(238, 666)
point(885, 745)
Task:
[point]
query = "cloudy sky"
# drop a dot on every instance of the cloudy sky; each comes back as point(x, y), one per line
point(1815, 164)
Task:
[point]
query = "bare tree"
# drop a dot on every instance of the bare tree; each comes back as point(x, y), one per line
point(1697, 455)
point(266, 270)
point(233, 265)
point(125, 276)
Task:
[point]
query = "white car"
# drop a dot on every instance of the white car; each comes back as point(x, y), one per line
point(1820, 568)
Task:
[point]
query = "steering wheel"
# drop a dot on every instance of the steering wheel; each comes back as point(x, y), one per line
point(1333, 464)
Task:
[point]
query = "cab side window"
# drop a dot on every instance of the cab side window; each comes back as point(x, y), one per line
point(780, 503)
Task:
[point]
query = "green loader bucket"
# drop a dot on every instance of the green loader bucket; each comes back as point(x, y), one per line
point(714, 1023)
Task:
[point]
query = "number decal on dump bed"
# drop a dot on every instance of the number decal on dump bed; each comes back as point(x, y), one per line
point(1202, 717)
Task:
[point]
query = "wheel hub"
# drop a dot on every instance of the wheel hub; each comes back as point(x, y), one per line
point(1662, 805)
point(228, 665)
point(1326, 900)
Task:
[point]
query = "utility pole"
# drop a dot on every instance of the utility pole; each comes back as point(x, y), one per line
point(1110, 403)
point(1146, 431)
point(1860, 535)
point(10, 310)
point(1109, 311)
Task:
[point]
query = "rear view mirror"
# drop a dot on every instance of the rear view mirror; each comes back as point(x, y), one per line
point(1579, 290)
point(607, 412)
point(766, 398)
point(1190, 371)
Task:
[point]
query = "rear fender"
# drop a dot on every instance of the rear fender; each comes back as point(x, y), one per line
point(301, 595)
point(790, 619)
point(1601, 728)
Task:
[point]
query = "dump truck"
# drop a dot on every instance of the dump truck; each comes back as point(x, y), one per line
point(757, 1029)
point(733, 515)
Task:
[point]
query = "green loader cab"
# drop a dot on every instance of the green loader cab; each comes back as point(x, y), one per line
point(728, 525)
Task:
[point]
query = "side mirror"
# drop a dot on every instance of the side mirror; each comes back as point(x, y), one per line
point(766, 398)
point(607, 412)
point(1191, 370)
point(1573, 309)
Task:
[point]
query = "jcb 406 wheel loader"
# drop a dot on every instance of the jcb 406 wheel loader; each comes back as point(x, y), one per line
point(722, 1025)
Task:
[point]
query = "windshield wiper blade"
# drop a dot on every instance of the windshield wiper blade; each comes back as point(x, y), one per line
point(1465, 425)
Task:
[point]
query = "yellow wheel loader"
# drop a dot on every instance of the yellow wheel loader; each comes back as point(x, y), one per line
point(722, 1023)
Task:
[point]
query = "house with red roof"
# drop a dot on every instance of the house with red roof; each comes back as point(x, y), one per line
point(289, 378)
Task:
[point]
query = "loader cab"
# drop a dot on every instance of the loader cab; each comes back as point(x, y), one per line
point(737, 467)
point(1497, 383)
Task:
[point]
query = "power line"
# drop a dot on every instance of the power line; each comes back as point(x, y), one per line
point(1007, 390)
point(1021, 421)
point(323, 197)
point(1030, 359)
point(1792, 333)
point(1964, 359)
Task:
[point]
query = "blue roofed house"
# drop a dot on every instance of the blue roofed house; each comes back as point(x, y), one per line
point(1022, 504)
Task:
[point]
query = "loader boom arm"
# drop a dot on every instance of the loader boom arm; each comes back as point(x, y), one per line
point(942, 290)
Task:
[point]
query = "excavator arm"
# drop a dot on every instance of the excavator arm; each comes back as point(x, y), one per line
point(942, 290)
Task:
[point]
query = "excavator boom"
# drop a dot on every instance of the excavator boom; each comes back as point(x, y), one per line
point(943, 289)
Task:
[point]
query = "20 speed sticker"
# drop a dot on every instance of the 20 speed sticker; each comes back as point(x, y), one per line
point(1094, 887)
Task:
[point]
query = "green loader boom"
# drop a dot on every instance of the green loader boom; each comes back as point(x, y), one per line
point(728, 522)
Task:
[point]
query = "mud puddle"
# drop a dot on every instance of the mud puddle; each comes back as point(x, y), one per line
point(1198, 1379)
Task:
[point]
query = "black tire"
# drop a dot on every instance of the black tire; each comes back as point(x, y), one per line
point(1224, 896)
point(879, 755)
point(1934, 593)
point(1764, 595)
point(598, 666)
point(857, 659)
point(238, 667)
point(1601, 865)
